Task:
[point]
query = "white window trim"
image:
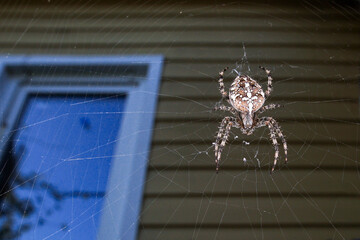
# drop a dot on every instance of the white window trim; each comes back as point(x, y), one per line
point(123, 200)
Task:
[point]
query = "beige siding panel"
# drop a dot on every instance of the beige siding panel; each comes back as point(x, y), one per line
point(251, 210)
point(245, 181)
point(235, 233)
point(201, 156)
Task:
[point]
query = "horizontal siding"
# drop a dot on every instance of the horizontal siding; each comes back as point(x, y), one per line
point(275, 54)
point(292, 211)
point(326, 109)
point(114, 38)
point(174, 23)
point(285, 89)
point(265, 232)
point(234, 182)
point(314, 57)
point(258, 9)
point(305, 132)
point(285, 70)
point(179, 156)
point(307, 198)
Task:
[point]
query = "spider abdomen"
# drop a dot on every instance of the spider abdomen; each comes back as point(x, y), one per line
point(246, 95)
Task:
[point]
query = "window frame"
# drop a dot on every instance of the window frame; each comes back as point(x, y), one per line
point(126, 181)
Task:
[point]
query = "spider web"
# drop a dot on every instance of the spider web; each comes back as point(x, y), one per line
point(314, 196)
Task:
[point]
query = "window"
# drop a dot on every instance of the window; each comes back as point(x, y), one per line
point(76, 135)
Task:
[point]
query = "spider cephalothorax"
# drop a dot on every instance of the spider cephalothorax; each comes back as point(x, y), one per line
point(247, 98)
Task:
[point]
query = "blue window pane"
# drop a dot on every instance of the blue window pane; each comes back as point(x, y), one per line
point(63, 148)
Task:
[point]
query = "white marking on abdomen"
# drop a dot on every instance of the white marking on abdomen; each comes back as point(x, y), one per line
point(250, 106)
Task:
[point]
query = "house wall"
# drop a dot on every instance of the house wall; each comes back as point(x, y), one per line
point(313, 53)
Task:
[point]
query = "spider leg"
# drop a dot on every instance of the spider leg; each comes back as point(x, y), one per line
point(221, 83)
point(222, 136)
point(269, 89)
point(274, 129)
point(269, 107)
point(275, 144)
point(225, 108)
point(282, 137)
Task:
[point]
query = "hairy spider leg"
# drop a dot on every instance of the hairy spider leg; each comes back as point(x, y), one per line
point(224, 94)
point(281, 135)
point(268, 107)
point(222, 136)
point(269, 89)
point(274, 129)
point(275, 144)
point(226, 108)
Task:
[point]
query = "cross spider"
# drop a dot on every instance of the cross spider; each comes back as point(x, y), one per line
point(247, 99)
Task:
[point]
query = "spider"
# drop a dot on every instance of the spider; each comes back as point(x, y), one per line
point(247, 98)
